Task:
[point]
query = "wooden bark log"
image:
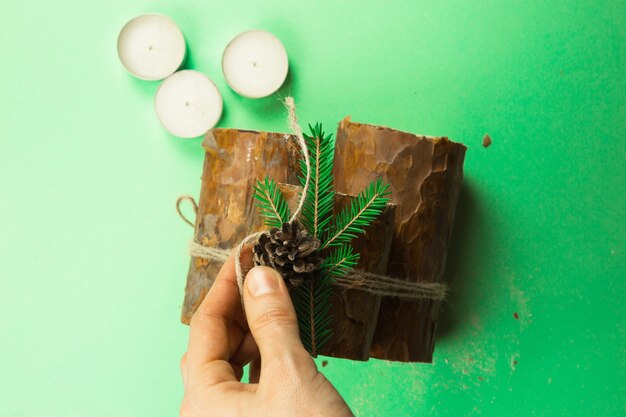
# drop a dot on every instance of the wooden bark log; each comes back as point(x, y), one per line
point(354, 313)
point(425, 175)
point(234, 160)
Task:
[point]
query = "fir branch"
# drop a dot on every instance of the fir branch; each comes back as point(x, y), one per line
point(271, 203)
point(317, 211)
point(352, 220)
point(312, 301)
point(340, 261)
point(312, 304)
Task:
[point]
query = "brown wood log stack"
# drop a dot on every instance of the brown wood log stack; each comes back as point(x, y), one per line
point(409, 241)
point(425, 175)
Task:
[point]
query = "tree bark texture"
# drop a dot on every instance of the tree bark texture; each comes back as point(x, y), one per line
point(234, 161)
point(425, 175)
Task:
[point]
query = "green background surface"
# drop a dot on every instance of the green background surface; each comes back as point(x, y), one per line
point(93, 257)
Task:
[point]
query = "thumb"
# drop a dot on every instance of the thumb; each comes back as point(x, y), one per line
point(271, 317)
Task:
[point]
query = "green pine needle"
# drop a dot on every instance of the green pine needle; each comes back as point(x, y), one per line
point(312, 304)
point(271, 203)
point(340, 261)
point(353, 220)
point(312, 301)
point(318, 207)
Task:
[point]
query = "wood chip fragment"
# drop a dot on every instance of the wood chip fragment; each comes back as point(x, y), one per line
point(486, 141)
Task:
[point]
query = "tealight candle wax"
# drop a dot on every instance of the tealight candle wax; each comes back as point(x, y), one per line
point(255, 64)
point(188, 104)
point(151, 47)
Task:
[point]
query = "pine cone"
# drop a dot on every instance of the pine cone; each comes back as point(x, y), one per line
point(291, 251)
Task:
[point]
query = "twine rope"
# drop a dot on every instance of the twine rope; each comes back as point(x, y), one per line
point(381, 285)
point(387, 286)
point(295, 127)
point(179, 201)
point(297, 130)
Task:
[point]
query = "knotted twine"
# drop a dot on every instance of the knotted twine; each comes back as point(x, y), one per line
point(381, 285)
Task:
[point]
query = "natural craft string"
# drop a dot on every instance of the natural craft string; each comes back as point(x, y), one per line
point(356, 280)
point(391, 287)
point(293, 123)
point(205, 252)
point(295, 128)
point(180, 213)
point(359, 280)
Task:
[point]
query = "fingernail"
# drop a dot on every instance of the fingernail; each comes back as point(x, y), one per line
point(262, 281)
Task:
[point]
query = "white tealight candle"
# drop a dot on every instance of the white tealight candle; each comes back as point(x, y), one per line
point(188, 104)
point(255, 64)
point(151, 47)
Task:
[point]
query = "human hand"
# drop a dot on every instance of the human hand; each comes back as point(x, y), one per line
point(284, 380)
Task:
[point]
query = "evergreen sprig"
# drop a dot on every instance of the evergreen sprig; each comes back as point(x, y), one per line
point(318, 207)
point(340, 261)
point(312, 305)
point(312, 300)
point(353, 220)
point(271, 203)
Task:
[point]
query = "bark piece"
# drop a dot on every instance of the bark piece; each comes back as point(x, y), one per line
point(486, 141)
point(234, 160)
point(425, 175)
